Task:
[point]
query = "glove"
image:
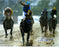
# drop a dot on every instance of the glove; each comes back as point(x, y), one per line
point(20, 1)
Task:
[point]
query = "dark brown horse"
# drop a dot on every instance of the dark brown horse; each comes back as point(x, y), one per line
point(52, 25)
point(8, 24)
point(44, 23)
point(25, 27)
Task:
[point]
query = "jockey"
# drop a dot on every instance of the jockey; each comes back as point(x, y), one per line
point(53, 12)
point(8, 12)
point(42, 12)
point(45, 12)
point(7, 24)
point(29, 15)
point(26, 7)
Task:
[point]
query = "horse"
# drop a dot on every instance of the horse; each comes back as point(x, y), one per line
point(8, 24)
point(25, 27)
point(44, 23)
point(52, 24)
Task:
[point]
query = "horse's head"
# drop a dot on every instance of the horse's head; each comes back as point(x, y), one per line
point(44, 17)
point(8, 12)
point(45, 12)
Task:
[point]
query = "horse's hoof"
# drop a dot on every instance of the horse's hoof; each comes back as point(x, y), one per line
point(45, 35)
point(23, 44)
point(11, 37)
point(27, 44)
point(42, 31)
point(32, 33)
point(50, 34)
point(30, 42)
point(5, 36)
point(53, 35)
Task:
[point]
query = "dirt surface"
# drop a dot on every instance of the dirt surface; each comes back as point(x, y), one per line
point(37, 37)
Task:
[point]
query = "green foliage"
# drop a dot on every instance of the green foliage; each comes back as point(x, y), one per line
point(41, 5)
point(58, 17)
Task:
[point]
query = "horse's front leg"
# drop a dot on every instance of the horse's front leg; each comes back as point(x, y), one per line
point(46, 30)
point(50, 29)
point(28, 35)
point(6, 33)
point(23, 38)
point(54, 31)
point(22, 33)
point(54, 27)
point(11, 33)
point(42, 28)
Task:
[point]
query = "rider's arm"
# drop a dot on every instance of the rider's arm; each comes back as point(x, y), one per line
point(51, 12)
point(30, 13)
point(21, 3)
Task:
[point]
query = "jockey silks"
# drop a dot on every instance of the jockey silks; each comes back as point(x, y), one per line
point(54, 12)
point(25, 9)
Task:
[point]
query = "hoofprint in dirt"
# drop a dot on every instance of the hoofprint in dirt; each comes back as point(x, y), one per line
point(37, 38)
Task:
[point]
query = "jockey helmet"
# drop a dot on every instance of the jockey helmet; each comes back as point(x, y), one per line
point(8, 9)
point(45, 9)
point(27, 3)
point(54, 8)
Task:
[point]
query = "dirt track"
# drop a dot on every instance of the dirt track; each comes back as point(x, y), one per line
point(37, 37)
